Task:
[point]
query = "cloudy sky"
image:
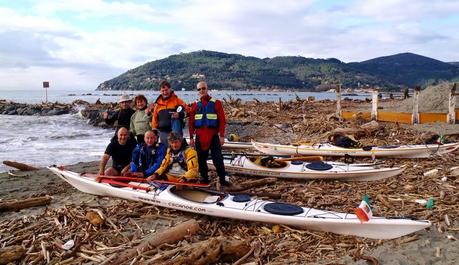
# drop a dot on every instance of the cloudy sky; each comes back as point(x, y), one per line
point(77, 44)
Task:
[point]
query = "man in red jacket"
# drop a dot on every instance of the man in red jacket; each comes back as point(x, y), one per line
point(207, 122)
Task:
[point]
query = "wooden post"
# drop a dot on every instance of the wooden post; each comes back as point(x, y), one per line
point(374, 104)
point(415, 115)
point(451, 118)
point(338, 101)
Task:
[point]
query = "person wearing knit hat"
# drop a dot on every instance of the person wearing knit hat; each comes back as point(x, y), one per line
point(122, 116)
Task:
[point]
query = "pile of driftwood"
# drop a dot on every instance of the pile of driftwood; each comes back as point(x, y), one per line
point(136, 233)
point(302, 121)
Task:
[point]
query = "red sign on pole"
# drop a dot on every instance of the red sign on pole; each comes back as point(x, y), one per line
point(45, 84)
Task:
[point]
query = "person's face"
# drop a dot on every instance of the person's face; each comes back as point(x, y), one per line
point(140, 103)
point(175, 145)
point(165, 91)
point(125, 104)
point(122, 136)
point(202, 90)
point(150, 138)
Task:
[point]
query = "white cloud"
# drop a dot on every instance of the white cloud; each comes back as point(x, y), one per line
point(406, 10)
point(60, 78)
point(99, 8)
point(125, 34)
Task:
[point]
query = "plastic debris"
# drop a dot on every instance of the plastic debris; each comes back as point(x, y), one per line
point(69, 245)
point(421, 201)
point(430, 173)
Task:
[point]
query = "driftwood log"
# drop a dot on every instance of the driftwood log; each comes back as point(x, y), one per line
point(20, 166)
point(205, 252)
point(11, 254)
point(169, 236)
point(21, 204)
point(251, 184)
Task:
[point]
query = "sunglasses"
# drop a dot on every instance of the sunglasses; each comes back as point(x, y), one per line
point(202, 88)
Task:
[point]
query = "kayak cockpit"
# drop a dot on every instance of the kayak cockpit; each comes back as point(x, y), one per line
point(268, 162)
point(199, 196)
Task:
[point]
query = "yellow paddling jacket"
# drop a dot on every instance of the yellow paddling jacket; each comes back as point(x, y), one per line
point(187, 159)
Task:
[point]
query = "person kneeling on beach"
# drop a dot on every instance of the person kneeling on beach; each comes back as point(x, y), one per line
point(147, 157)
point(120, 150)
point(180, 163)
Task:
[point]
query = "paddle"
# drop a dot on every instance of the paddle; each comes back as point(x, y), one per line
point(122, 184)
point(189, 184)
point(144, 180)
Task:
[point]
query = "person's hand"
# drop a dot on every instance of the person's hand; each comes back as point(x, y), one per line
point(153, 177)
point(105, 115)
point(222, 140)
point(128, 174)
point(101, 172)
point(174, 115)
point(192, 142)
point(182, 179)
point(149, 109)
point(138, 174)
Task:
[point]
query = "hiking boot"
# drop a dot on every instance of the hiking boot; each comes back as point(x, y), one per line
point(203, 180)
point(225, 183)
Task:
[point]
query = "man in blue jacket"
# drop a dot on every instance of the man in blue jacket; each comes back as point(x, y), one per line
point(147, 157)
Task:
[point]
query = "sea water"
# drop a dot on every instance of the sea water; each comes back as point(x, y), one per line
point(68, 139)
point(67, 96)
point(50, 140)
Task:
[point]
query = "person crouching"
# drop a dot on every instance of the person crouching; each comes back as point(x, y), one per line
point(120, 150)
point(180, 163)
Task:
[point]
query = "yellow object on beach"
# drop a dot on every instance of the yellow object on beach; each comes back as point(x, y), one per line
point(233, 137)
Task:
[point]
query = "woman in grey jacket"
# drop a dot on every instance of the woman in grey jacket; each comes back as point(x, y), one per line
point(140, 120)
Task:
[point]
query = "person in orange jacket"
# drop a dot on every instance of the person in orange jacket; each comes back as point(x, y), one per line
point(169, 112)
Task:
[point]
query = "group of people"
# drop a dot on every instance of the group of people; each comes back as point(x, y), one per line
point(149, 141)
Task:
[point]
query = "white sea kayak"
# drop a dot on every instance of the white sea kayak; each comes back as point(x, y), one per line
point(308, 170)
point(233, 145)
point(245, 207)
point(325, 149)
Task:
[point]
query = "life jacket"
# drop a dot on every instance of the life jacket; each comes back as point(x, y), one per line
point(178, 162)
point(206, 115)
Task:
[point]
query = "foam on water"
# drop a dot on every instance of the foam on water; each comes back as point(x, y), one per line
point(43, 141)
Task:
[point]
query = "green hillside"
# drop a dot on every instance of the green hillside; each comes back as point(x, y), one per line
point(408, 69)
point(233, 71)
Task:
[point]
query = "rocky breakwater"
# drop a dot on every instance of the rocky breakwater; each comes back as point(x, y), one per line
point(91, 112)
point(43, 109)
